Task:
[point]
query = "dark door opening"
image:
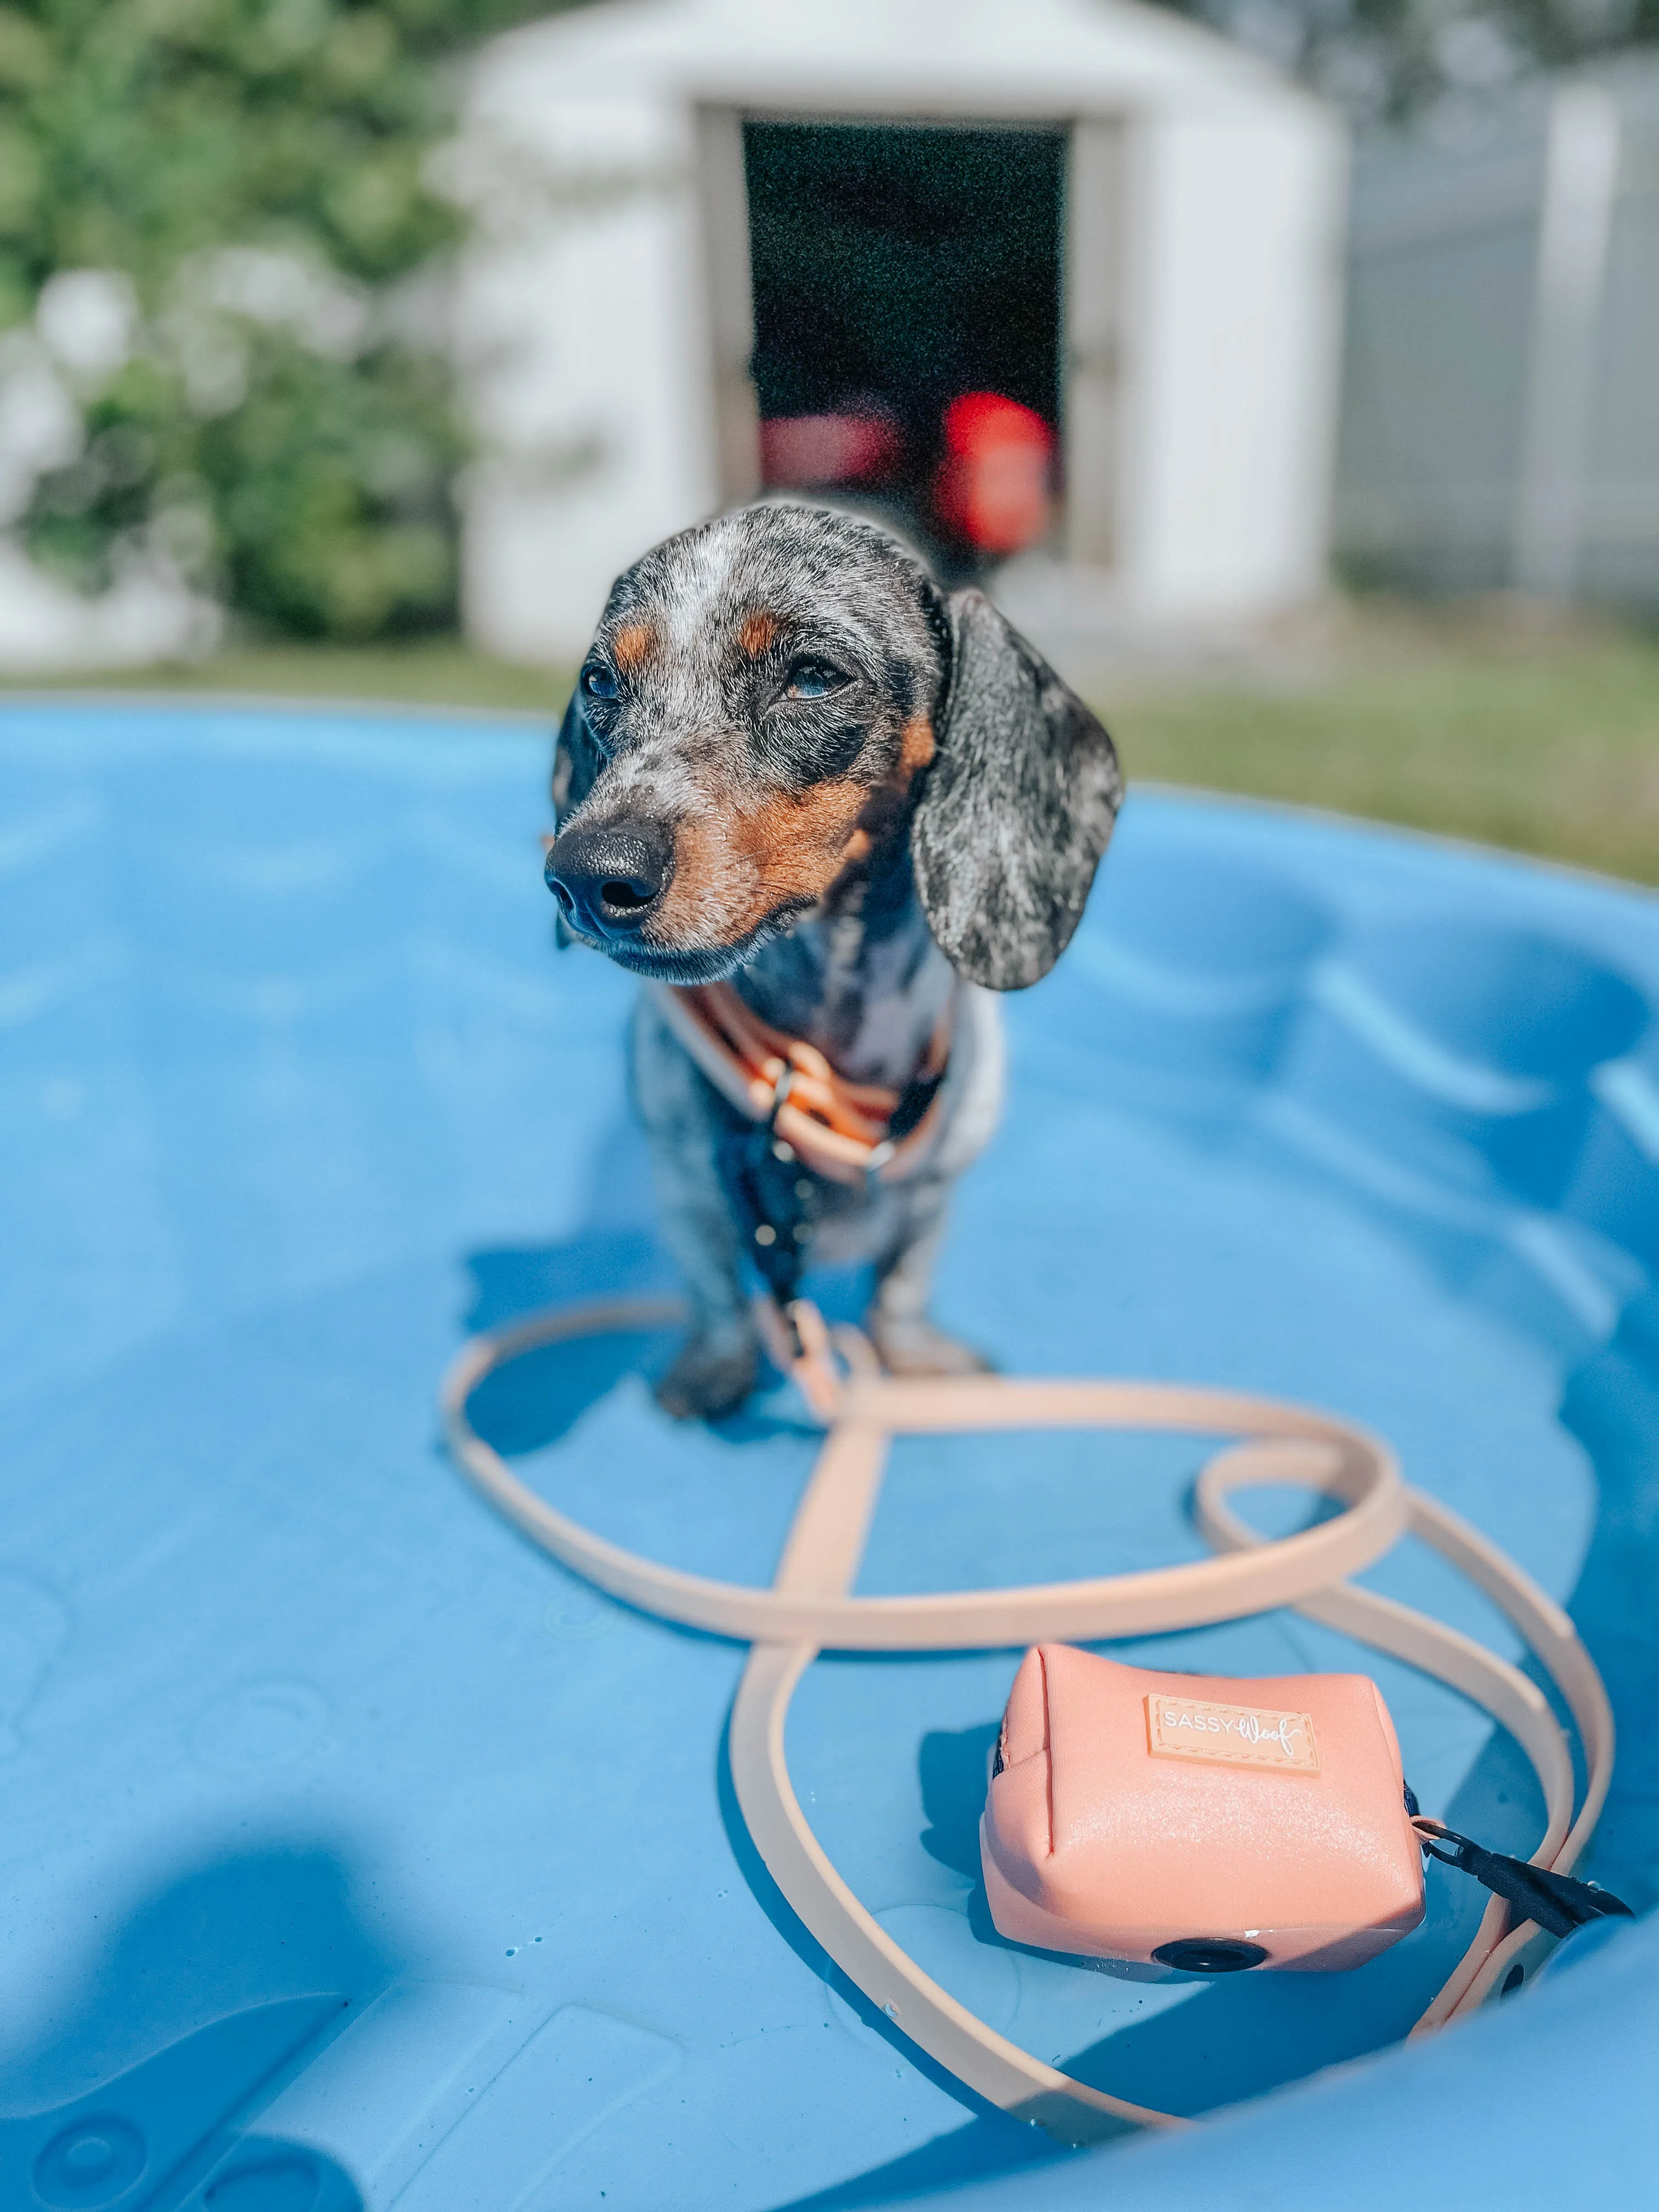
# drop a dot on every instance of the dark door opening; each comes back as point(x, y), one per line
point(907, 293)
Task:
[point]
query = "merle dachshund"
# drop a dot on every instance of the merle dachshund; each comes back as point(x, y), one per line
point(793, 762)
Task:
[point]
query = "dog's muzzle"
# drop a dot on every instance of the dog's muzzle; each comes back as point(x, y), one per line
point(609, 882)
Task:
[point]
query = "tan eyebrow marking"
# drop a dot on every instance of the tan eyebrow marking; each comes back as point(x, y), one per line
point(919, 747)
point(631, 644)
point(757, 631)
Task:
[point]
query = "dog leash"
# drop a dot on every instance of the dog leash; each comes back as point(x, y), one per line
point(809, 1608)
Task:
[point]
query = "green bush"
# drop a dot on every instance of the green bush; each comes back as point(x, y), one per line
point(275, 420)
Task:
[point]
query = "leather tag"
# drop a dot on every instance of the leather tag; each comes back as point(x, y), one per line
point(1234, 1735)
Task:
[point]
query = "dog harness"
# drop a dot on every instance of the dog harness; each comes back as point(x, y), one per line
point(849, 1133)
point(794, 1117)
point(810, 1608)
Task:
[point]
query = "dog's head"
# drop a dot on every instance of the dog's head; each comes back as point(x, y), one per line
point(772, 696)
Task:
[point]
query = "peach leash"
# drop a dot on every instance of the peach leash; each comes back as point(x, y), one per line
point(809, 1608)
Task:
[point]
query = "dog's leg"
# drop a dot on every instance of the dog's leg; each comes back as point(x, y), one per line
point(897, 1322)
point(716, 1366)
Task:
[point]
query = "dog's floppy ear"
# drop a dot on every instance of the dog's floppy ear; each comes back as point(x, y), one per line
point(576, 762)
point(1014, 813)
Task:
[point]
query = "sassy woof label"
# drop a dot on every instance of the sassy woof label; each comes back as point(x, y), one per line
point(1238, 1736)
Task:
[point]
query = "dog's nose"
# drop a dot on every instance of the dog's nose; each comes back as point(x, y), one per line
point(608, 881)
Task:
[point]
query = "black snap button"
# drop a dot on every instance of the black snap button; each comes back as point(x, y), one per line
point(1209, 1954)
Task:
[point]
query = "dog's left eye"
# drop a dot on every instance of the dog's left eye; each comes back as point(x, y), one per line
point(599, 683)
point(814, 679)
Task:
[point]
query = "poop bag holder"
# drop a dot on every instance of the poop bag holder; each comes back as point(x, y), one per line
point(1194, 1821)
point(1212, 1824)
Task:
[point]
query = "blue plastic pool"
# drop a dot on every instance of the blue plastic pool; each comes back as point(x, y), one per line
point(355, 1855)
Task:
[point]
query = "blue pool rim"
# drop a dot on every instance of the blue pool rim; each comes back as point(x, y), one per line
point(302, 1091)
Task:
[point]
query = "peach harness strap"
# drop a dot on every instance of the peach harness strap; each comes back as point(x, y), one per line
point(839, 1129)
point(809, 1608)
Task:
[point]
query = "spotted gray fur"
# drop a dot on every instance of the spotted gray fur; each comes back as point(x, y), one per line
point(1018, 807)
point(962, 797)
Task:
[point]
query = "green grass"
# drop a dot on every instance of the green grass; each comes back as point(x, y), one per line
point(432, 672)
point(1544, 739)
point(1540, 736)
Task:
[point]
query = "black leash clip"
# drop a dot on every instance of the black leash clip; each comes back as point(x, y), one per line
point(1558, 1902)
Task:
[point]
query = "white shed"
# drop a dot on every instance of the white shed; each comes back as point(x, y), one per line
point(695, 216)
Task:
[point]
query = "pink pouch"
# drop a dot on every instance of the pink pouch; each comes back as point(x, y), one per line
point(1199, 1821)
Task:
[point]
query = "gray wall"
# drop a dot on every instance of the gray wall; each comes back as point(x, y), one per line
point(1500, 411)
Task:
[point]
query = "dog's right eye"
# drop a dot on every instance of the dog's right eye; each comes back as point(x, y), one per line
point(814, 679)
point(599, 682)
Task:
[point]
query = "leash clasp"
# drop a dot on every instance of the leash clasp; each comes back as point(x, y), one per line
point(798, 1343)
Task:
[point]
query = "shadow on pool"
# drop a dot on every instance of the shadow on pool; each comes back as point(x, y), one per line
point(209, 1989)
point(611, 1253)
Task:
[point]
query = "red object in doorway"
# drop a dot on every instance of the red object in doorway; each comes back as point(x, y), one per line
point(799, 452)
point(992, 487)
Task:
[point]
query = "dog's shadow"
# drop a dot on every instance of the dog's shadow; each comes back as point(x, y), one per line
point(612, 1252)
point(537, 1399)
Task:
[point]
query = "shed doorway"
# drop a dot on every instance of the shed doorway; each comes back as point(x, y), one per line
point(906, 298)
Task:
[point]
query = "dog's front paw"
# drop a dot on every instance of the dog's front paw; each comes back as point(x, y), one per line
point(916, 1347)
point(710, 1375)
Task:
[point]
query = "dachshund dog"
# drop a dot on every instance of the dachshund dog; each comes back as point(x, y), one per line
point(795, 768)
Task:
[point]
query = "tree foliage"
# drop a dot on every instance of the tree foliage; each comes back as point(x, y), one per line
point(215, 231)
